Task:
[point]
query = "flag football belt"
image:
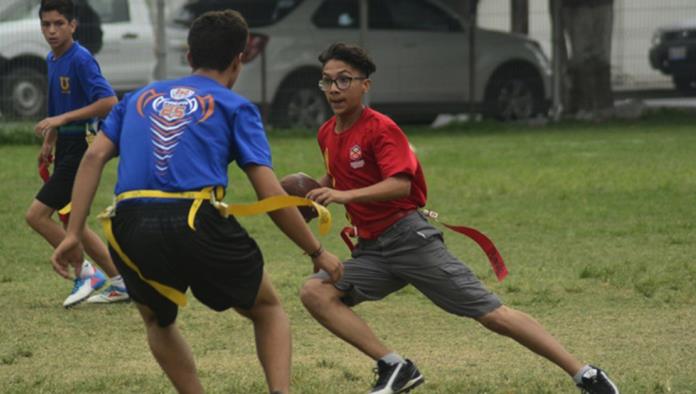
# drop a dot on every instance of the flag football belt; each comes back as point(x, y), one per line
point(214, 195)
point(481, 239)
point(45, 174)
point(74, 129)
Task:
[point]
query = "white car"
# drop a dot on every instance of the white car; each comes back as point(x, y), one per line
point(127, 58)
point(420, 48)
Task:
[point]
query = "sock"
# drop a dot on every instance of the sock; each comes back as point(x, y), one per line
point(578, 376)
point(393, 358)
point(117, 281)
point(87, 270)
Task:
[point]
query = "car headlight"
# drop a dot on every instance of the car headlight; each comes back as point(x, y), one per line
point(657, 38)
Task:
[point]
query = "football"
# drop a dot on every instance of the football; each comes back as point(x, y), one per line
point(299, 184)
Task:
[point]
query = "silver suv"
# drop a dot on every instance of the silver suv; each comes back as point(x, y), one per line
point(420, 48)
point(126, 57)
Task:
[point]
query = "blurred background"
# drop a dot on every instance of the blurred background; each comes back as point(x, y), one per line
point(437, 61)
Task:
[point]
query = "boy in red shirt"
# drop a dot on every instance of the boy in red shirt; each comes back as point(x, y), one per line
point(373, 171)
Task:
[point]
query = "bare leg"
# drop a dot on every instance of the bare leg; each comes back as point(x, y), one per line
point(272, 332)
point(172, 353)
point(38, 217)
point(96, 249)
point(529, 333)
point(323, 301)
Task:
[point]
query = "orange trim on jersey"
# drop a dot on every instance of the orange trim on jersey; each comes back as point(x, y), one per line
point(145, 98)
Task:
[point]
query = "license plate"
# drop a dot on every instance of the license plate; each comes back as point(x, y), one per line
point(677, 53)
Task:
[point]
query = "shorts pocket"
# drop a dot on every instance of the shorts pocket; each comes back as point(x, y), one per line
point(459, 274)
point(424, 235)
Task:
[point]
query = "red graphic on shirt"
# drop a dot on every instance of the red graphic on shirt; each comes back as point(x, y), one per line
point(355, 153)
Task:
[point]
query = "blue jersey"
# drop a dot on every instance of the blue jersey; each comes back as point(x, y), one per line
point(182, 134)
point(74, 81)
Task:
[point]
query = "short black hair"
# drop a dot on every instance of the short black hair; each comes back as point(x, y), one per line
point(354, 55)
point(63, 7)
point(216, 38)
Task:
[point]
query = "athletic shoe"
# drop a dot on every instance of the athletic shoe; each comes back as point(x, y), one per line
point(110, 295)
point(396, 378)
point(596, 381)
point(84, 287)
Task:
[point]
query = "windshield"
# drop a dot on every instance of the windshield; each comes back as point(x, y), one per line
point(17, 10)
point(256, 12)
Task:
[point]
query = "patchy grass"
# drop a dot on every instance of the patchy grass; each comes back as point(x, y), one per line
point(596, 224)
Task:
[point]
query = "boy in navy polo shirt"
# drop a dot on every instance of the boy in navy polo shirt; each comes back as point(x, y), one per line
point(77, 94)
point(373, 171)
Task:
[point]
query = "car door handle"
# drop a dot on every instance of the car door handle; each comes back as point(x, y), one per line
point(129, 36)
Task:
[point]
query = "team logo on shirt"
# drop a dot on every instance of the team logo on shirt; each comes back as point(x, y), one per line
point(356, 160)
point(170, 116)
point(65, 84)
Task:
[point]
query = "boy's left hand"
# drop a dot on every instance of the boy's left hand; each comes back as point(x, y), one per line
point(68, 252)
point(47, 124)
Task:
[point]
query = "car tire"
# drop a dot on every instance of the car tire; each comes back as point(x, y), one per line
point(300, 103)
point(514, 94)
point(25, 93)
point(685, 85)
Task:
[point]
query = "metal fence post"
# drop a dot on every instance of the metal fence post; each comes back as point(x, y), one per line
point(160, 42)
point(557, 60)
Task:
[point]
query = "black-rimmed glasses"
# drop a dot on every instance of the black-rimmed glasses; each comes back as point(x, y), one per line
point(342, 83)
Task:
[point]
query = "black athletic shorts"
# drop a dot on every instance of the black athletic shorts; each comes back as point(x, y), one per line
point(56, 193)
point(219, 261)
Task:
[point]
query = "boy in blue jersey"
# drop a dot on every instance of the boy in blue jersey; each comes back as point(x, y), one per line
point(175, 140)
point(77, 93)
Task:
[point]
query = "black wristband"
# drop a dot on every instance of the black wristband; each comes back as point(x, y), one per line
point(316, 253)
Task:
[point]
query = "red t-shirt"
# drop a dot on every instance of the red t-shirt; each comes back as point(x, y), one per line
point(371, 150)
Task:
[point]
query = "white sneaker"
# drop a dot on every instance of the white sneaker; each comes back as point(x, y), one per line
point(110, 295)
point(84, 287)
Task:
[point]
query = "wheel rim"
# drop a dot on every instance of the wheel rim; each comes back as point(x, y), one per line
point(306, 108)
point(515, 100)
point(27, 98)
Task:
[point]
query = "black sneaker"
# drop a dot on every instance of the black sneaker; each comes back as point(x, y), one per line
point(396, 378)
point(596, 381)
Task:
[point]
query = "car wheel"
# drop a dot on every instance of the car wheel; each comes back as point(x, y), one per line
point(685, 85)
point(513, 95)
point(25, 93)
point(299, 104)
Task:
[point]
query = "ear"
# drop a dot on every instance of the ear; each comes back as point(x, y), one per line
point(189, 59)
point(366, 84)
point(237, 62)
point(73, 25)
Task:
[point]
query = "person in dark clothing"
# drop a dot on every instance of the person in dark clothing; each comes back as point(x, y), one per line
point(588, 27)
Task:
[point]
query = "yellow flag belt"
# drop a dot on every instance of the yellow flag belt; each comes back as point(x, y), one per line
point(213, 195)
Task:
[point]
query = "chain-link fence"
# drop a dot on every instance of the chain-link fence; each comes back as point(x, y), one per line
point(429, 58)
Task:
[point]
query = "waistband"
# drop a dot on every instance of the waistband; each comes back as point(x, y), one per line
point(214, 194)
point(368, 235)
point(73, 129)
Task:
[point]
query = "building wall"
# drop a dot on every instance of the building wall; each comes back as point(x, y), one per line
point(635, 21)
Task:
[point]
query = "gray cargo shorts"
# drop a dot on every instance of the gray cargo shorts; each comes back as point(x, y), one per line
point(412, 251)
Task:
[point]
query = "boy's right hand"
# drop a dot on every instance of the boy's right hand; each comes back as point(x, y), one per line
point(68, 252)
point(328, 262)
point(45, 153)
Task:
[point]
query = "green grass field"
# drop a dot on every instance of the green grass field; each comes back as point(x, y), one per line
point(597, 224)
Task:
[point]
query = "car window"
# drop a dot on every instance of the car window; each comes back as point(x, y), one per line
point(111, 11)
point(345, 14)
point(420, 15)
point(256, 12)
point(20, 9)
